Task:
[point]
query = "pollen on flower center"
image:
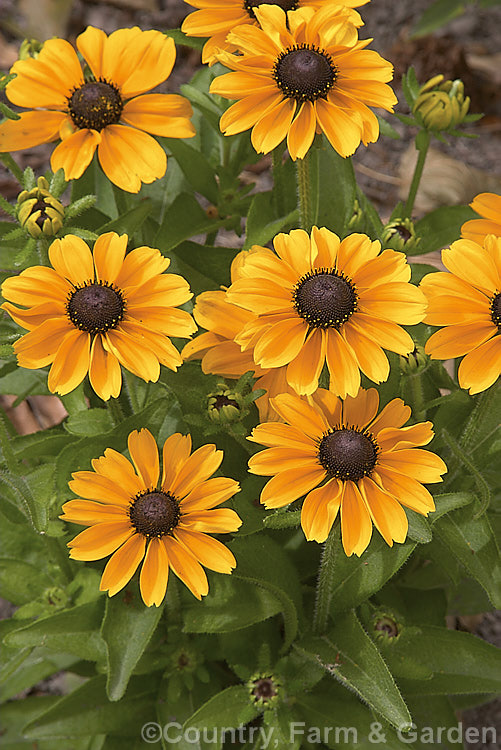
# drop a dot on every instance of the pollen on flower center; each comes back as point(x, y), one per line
point(324, 299)
point(496, 310)
point(96, 307)
point(95, 105)
point(305, 73)
point(348, 453)
point(154, 514)
point(286, 5)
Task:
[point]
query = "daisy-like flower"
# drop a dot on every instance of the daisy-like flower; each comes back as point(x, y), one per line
point(134, 516)
point(105, 108)
point(467, 302)
point(488, 205)
point(320, 300)
point(92, 312)
point(345, 458)
point(216, 18)
point(301, 73)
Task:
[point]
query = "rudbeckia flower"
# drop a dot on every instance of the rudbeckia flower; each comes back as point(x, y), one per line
point(488, 205)
point(346, 458)
point(216, 18)
point(104, 109)
point(303, 73)
point(135, 516)
point(467, 302)
point(320, 300)
point(92, 312)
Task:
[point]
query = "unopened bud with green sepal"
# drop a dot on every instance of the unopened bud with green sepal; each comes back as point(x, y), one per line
point(39, 212)
point(441, 105)
point(30, 48)
point(415, 362)
point(400, 234)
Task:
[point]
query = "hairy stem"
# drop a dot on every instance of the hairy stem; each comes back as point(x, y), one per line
point(422, 144)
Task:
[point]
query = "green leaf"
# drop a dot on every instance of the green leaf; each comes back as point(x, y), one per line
point(348, 654)
point(89, 422)
point(419, 528)
point(195, 167)
point(129, 221)
point(127, 629)
point(262, 562)
point(472, 541)
point(441, 227)
point(31, 493)
point(459, 662)
point(438, 14)
point(73, 631)
point(183, 39)
point(357, 578)
point(88, 706)
point(336, 190)
point(206, 267)
point(184, 219)
point(20, 581)
point(262, 222)
point(385, 128)
point(229, 709)
point(233, 604)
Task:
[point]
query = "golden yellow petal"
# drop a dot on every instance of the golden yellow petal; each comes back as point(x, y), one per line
point(134, 353)
point(219, 521)
point(273, 126)
point(208, 494)
point(473, 264)
point(119, 471)
point(39, 347)
point(175, 453)
point(130, 157)
point(100, 540)
point(72, 259)
point(387, 514)
point(141, 265)
point(208, 551)
point(197, 468)
point(388, 334)
point(154, 573)
point(481, 368)
point(91, 44)
point(356, 523)
point(122, 565)
point(167, 289)
point(74, 153)
point(109, 254)
point(341, 130)
point(422, 465)
point(402, 303)
point(32, 129)
point(71, 363)
point(300, 415)
point(106, 490)
point(388, 266)
point(405, 489)
point(186, 567)
point(361, 409)
point(343, 365)
point(246, 112)
point(391, 438)
point(370, 357)
point(302, 131)
point(304, 370)
point(281, 343)
point(34, 286)
point(454, 341)
point(329, 404)
point(105, 375)
point(87, 512)
point(276, 435)
point(35, 316)
point(355, 252)
point(144, 453)
point(394, 414)
point(160, 114)
point(320, 508)
point(292, 484)
point(274, 460)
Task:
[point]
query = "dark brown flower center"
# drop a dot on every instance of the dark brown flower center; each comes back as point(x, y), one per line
point(305, 73)
point(324, 299)
point(348, 453)
point(95, 105)
point(154, 514)
point(496, 311)
point(96, 307)
point(286, 5)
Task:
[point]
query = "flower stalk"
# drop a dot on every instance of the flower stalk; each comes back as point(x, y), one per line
point(423, 139)
point(326, 575)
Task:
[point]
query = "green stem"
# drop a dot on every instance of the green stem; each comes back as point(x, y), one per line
point(128, 386)
point(324, 582)
point(43, 251)
point(116, 411)
point(417, 397)
point(11, 164)
point(483, 405)
point(279, 184)
point(59, 557)
point(307, 189)
point(461, 457)
point(423, 139)
point(5, 443)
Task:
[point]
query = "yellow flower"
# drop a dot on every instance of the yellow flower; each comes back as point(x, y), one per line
point(319, 299)
point(467, 301)
point(488, 205)
point(302, 73)
point(93, 312)
point(105, 109)
point(216, 18)
point(166, 523)
point(345, 458)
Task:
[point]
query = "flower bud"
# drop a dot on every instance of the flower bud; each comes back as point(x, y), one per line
point(264, 690)
point(30, 48)
point(39, 212)
point(415, 362)
point(386, 626)
point(224, 405)
point(400, 234)
point(440, 104)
